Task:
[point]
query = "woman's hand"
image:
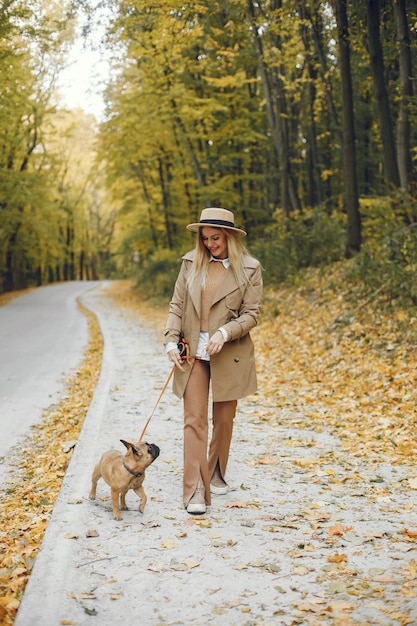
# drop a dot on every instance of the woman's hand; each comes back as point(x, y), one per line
point(174, 357)
point(215, 343)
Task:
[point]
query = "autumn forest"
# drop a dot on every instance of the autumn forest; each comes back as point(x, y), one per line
point(301, 117)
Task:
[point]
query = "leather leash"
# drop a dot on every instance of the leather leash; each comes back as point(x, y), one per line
point(190, 360)
point(157, 402)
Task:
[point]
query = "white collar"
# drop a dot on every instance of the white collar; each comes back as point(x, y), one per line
point(226, 262)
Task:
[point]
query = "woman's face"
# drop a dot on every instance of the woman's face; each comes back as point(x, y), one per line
point(215, 241)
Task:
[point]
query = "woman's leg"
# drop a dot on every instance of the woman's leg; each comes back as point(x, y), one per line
point(196, 431)
point(223, 416)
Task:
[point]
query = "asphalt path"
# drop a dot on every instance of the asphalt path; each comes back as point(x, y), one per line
point(43, 335)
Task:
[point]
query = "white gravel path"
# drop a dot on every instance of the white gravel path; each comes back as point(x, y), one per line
point(263, 560)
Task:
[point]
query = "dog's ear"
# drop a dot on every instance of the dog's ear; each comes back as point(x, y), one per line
point(131, 447)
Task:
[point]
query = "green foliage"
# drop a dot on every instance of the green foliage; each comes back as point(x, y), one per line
point(49, 189)
point(312, 238)
point(190, 123)
point(387, 263)
point(156, 276)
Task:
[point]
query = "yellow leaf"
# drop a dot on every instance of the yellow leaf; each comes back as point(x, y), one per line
point(337, 558)
point(192, 564)
point(239, 504)
point(268, 461)
point(306, 462)
point(339, 530)
point(384, 578)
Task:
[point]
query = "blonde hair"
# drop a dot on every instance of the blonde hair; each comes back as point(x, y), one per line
point(235, 250)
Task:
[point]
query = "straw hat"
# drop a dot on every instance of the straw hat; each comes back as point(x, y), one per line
point(218, 218)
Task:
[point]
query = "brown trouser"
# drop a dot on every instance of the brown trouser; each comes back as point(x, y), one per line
point(196, 464)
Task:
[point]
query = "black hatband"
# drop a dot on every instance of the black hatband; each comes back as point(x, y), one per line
point(218, 223)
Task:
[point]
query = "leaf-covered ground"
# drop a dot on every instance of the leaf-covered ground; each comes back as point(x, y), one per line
point(37, 471)
point(342, 367)
point(349, 366)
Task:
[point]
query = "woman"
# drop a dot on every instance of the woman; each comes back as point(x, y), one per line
point(215, 304)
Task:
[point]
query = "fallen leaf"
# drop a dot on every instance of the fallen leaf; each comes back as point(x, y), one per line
point(88, 611)
point(337, 558)
point(336, 587)
point(181, 535)
point(306, 462)
point(319, 517)
point(316, 607)
point(338, 530)
point(178, 567)
point(192, 564)
point(156, 568)
point(153, 524)
point(87, 595)
point(384, 578)
point(238, 504)
point(267, 460)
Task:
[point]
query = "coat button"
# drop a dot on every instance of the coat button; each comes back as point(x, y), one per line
point(236, 359)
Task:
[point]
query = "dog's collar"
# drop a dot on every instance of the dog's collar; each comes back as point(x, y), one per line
point(137, 474)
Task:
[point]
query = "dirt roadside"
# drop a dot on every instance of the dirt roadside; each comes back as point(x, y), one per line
point(298, 539)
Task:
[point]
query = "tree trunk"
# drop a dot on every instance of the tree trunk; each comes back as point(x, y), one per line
point(276, 112)
point(163, 179)
point(349, 151)
point(199, 173)
point(381, 95)
point(317, 30)
point(406, 91)
point(313, 170)
point(138, 169)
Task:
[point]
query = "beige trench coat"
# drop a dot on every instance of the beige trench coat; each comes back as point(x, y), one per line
point(233, 374)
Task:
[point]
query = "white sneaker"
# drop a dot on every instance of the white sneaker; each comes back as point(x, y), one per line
point(217, 484)
point(219, 491)
point(197, 503)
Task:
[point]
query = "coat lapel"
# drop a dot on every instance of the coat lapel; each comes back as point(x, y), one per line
point(227, 286)
point(195, 295)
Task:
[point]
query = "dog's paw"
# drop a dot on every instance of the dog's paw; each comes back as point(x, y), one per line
point(92, 496)
point(117, 517)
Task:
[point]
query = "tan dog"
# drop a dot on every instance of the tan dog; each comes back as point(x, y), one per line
point(124, 472)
